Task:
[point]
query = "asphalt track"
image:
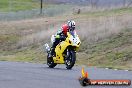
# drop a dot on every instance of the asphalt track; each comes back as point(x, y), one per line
point(29, 75)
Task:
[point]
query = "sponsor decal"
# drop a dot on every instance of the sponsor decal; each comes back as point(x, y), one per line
point(85, 81)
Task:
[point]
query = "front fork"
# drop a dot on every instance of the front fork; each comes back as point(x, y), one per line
point(68, 53)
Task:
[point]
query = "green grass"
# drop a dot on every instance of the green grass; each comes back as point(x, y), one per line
point(10, 52)
point(112, 52)
point(114, 12)
point(24, 55)
point(17, 5)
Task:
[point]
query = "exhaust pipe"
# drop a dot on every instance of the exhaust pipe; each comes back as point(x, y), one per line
point(47, 47)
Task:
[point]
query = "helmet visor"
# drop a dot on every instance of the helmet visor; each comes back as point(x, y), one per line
point(72, 28)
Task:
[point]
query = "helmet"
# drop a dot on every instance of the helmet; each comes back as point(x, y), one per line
point(71, 25)
point(65, 28)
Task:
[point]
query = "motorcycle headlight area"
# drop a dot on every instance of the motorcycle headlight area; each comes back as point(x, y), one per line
point(74, 40)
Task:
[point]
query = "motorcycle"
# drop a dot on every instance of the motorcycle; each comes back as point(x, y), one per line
point(65, 51)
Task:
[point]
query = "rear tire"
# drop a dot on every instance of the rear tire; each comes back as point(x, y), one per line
point(50, 62)
point(70, 60)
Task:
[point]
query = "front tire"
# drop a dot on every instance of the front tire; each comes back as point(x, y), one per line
point(50, 62)
point(70, 60)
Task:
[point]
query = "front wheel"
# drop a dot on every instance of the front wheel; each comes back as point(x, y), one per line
point(50, 62)
point(70, 59)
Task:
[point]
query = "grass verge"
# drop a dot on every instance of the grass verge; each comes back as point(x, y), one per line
point(112, 52)
point(17, 5)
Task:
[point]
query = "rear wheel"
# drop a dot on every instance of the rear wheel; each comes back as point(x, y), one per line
point(50, 62)
point(70, 59)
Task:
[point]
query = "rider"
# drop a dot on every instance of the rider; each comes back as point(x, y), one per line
point(61, 34)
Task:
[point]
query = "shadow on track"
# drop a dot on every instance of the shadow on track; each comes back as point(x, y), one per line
point(59, 69)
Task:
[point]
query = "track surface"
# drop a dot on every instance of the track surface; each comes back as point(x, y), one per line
point(28, 75)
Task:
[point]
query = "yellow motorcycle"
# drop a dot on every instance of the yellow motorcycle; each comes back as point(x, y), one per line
point(65, 51)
